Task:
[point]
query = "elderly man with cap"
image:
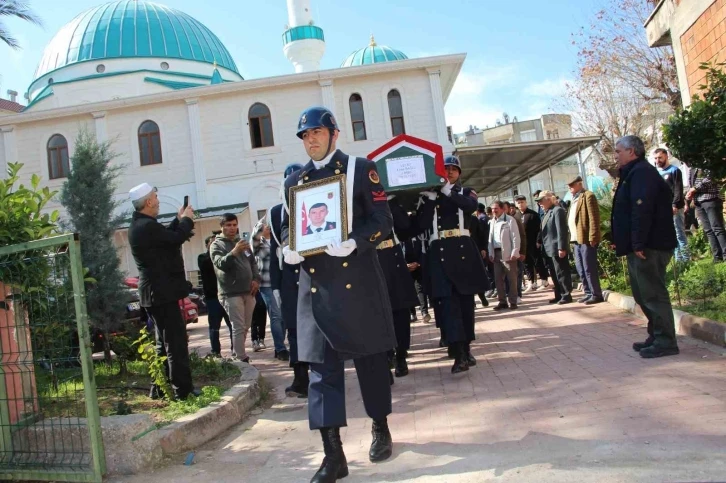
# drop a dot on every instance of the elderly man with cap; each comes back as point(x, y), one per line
point(555, 240)
point(162, 281)
point(583, 220)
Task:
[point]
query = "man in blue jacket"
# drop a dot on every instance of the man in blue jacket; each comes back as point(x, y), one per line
point(642, 230)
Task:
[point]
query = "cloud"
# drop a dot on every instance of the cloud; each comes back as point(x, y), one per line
point(547, 88)
point(472, 99)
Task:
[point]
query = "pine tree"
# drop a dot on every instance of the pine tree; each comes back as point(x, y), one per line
point(88, 197)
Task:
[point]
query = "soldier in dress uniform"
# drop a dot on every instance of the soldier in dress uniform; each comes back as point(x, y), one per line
point(401, 288)
point(343, 307)
point(284, 282)
point(454, 268)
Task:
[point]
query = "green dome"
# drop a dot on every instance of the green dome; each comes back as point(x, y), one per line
point(133, 28)
point(373, 54)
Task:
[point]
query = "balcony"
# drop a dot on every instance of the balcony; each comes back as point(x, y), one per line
point(658, 25)
point(302, 33)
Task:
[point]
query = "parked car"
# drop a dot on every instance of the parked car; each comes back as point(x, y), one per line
point(189, 310)
point(134, 320)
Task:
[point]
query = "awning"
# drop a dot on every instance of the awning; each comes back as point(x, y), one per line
point(201, 214)
point(495, 168)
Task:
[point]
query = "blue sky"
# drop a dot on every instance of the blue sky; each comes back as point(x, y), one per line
point(519, 52)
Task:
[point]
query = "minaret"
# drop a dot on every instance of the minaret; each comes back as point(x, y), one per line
point(304, 43)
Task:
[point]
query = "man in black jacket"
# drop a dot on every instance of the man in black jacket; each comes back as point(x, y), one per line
point(642, 230)
point(162, 282)
point(531, 222)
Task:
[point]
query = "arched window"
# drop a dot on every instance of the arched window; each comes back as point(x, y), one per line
point(149, 143)
point(395, 108)
point(58, 165)
point(357, 117)
point(260, 122)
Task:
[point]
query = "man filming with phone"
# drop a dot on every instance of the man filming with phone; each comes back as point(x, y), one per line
point(238, 280)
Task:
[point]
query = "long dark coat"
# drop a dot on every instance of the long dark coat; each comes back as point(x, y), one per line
point(157, 251)
point(401, 289)
point(345, 298)
point(452, 262)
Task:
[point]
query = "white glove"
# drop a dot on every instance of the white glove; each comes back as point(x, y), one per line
point(291, 257)
point(344, 249)
point(429, 194)
point(278, 299)
point(446, 190)
point(390, 197)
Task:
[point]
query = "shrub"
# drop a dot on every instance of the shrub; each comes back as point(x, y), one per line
point(701, 282)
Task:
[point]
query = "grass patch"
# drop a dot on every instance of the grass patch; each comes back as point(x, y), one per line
point(60, 389)
point(713, 311)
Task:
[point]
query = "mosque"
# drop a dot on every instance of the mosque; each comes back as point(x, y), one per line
point(165, 90)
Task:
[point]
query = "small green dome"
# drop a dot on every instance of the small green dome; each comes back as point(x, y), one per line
point(373, 54)
point(133, 28)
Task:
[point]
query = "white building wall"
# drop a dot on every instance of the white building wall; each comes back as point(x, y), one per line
point(235, 172)
point(31, 142)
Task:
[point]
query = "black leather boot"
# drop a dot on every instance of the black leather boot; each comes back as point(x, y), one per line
point(334, 464)
point(299, 386)
point(382, 445)
point(469, 358)
point(401, 364)
point(461, 363)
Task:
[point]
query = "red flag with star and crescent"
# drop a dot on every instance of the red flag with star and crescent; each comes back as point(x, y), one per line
point(304, 218)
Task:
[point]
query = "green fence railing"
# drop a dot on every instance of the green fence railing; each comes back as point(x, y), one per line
point(49, 418)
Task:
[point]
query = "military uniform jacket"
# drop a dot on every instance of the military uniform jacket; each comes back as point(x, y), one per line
point(345, 299)
point(456, 261)
point(283, 277)
point(401, 289)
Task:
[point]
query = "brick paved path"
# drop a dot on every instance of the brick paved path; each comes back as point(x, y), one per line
point(558, 395)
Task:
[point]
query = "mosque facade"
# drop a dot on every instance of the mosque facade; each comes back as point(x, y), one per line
point(166, 92)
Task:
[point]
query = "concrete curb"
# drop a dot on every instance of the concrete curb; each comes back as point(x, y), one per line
point(686, 324)
point(208, 423)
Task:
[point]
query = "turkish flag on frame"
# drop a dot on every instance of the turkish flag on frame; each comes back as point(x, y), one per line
point(304, 218)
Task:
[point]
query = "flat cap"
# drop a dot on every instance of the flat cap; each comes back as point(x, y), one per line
point(574, 180)
point(543, 194)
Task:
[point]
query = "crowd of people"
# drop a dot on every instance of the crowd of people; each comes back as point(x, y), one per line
point(358, 299)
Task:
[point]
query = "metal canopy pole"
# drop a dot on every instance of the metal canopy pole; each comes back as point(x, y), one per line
point(581, 165)
point(529, 188)
point(552, 181)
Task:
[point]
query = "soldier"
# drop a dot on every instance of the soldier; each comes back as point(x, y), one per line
point(401, 288)
point(284, 280)
point(343, 308)
point(454, 266)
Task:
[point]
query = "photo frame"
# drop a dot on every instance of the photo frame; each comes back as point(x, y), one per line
point(318, 215)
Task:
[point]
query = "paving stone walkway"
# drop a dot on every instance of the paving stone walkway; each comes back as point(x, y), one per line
point(558, 395)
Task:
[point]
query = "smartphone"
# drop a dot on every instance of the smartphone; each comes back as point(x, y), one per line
point(186, 202)
point(246, 237)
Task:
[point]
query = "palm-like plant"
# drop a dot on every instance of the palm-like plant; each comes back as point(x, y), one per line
point(14, 8)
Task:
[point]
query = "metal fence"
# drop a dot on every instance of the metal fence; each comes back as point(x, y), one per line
point(49, 417)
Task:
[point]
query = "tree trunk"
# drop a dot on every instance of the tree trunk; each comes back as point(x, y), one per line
point(107, 348)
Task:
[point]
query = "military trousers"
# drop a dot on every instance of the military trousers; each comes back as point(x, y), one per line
point(457, 317)
point(402, 327)
point(326, 393)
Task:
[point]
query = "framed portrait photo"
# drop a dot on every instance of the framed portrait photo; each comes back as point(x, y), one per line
point(318, 215)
